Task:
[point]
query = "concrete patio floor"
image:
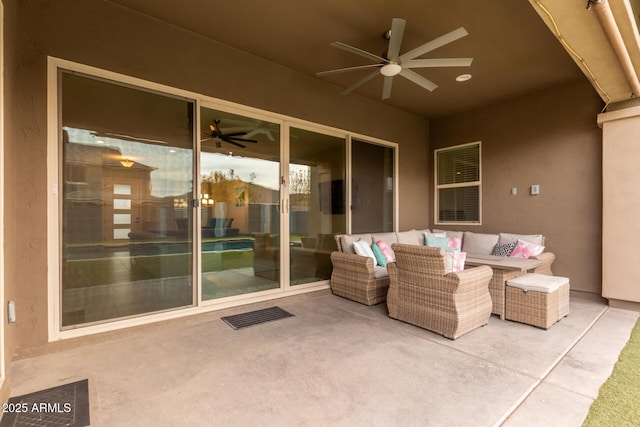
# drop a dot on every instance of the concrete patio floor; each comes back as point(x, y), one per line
point(337, 363)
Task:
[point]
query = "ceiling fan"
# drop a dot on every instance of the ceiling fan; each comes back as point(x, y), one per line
point(396, 64)
point(232, 138)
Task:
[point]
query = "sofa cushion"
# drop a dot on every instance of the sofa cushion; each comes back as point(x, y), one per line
point(346, 241)
point(531, 238)
point(388, 238)
point(380, 272)
point(479, 243)
point(526, 249)
point(503, 249)
point(450, 233)
point(363, 248)
point(411, 237)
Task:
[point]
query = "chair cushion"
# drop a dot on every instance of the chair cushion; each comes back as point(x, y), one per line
point(538, 282)
point(379, 272)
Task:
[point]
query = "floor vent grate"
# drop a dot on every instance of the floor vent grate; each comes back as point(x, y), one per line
point(251, 318)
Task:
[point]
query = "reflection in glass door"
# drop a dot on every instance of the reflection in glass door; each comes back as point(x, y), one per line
point(240, 204)
point(127, 179)
point(317, 170)
point(372, 189)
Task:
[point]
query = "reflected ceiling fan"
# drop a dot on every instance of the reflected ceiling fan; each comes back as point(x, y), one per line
point(396, 64)
point(232, 138)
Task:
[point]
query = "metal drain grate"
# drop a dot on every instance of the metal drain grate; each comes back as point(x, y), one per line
point(65, 405)
point(243, 320)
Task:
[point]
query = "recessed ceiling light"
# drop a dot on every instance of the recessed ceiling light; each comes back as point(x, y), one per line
point(463, 77)
point(99, 141)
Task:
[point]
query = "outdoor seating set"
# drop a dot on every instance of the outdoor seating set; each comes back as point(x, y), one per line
point(451, 282)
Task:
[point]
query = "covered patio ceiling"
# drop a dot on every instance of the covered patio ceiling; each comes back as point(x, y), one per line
point(518, 47)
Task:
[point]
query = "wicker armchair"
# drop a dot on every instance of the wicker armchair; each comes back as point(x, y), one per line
point(356, 278)
point(422, 294)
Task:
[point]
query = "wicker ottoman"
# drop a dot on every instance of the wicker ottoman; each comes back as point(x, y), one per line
point(537, 299)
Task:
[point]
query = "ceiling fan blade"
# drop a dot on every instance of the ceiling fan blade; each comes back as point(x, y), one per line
point(239, 139)
point(386, 87)
point(397, 30)
point(360, 82)
point(440, 62)
point(434, 44)
point(342, 70)
point(360, 52)
point(235, 133)
point(418, 79)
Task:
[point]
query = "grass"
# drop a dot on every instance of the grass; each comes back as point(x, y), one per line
point(107, 271)
point(618, 403)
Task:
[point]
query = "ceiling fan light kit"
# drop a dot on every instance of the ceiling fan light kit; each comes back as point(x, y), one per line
point(395, 64)
point(390, 69)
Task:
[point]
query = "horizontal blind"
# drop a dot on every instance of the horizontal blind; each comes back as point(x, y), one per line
point(458, 184)
point(458, 165)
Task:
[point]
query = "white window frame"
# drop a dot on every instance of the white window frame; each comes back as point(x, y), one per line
point(438, 187)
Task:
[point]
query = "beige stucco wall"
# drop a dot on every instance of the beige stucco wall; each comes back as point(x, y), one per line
point(103, 35)
point(549, 138)
point(621, 204)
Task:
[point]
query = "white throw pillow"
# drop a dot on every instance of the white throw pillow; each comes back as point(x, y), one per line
point(454, 261)
point(363, 248)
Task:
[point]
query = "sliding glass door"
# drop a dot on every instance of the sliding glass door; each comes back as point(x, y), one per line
point(317, 202)
point(372, 187)
point(239, 204)
point(166, 203)
point(127, 173)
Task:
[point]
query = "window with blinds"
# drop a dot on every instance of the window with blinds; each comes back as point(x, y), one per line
point(458, 184)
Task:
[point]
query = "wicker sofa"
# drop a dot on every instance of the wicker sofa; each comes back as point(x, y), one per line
point(359, 279)
point(423, 294)
point(356, 277)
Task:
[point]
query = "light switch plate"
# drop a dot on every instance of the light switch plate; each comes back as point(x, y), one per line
point(535, 189)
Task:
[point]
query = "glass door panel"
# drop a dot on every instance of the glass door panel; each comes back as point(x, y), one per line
point(240, 204)
point(317, 203)
point(372, 187)
point(127, 179)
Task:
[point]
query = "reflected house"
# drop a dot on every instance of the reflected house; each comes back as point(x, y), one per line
point(231, 207)
point(94, 178)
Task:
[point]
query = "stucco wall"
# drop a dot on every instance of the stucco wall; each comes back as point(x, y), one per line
point(103, 35)
point(549, 138)
point(621, 271)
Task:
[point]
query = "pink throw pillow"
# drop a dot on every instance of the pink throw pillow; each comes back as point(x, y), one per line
point(525, 250)
point(455, 242)
point(386, 251)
